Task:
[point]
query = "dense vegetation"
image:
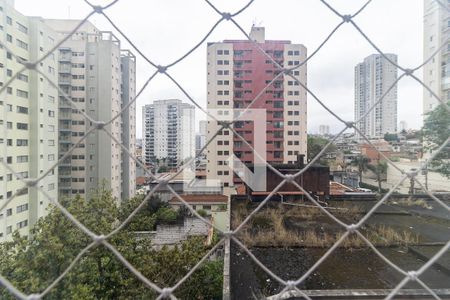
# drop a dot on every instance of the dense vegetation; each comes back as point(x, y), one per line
point(33, 264)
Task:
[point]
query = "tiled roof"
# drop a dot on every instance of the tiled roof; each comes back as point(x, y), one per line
point(201, 198)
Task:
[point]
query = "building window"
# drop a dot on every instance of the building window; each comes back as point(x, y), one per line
point(22, 110)
point(22, 28)
point(22, 77)
point(22, 224)
point(22, 94)
point(22, 44)
point(22, 159)
point(22, 126)
point(20, 142)
point(21, 208)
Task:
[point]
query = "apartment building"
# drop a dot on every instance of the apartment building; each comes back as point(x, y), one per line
point(237, 73)
point(99, 77)
point(168, 132)
point(436, 72)
point(28, 120)
point(373, 78)
point(128, 68)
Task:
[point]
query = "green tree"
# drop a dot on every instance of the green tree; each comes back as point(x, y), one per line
point(436, 131)
point(202, 213)
point(166, 215)
point(380, 170)
point(316, 144)
point(390, 137)
point(362, 162)
point(55, 242)
point(145, 219)
point(33, 264)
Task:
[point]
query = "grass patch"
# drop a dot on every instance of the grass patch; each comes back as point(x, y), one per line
point(410, 202)
point(274, 227)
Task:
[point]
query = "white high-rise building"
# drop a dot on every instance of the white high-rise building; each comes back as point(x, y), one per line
point(402, 126)
point(373, 78)
point(28, 120)
point(168, 132)
point(324, 129)
point(200, 138)
point(436, 73)
point(100, 77)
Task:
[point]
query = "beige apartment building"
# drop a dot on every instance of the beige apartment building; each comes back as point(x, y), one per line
point(100, 78)
point(28, 119)
point(436, 72)
point(237, 72)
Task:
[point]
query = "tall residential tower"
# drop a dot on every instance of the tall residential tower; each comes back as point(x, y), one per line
point(436, 73)
point(238, 71)
point(373, 78)
point(168, 132)
point(100, 78)
point(28, 120)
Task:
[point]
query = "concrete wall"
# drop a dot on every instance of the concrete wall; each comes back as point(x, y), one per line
point(436, 182)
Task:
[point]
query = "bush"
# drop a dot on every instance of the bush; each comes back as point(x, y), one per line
point(202, 213)
point(205, 283)
point(261, 222)
point(166, 215)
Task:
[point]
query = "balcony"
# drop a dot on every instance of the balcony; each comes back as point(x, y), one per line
point(65, 174)
point(64, 103)
point(65, 116)
point(65, 127)
point(65, 69)
point(65, 57)
point(65, 185)
point(64, 80)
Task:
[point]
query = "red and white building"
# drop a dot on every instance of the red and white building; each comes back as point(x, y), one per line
point(237, 72)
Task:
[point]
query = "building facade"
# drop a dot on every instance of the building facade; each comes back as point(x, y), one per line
point(168, 132)
point(324, 129)
point(200, 137)
point(373, 78)
point(99, 77)
point(436, 72)
point(238, 72)
point(28, 120)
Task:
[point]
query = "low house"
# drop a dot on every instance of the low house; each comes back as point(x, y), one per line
point(315, 180)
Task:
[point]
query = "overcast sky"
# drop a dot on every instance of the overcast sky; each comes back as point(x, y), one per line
point(165, 30)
